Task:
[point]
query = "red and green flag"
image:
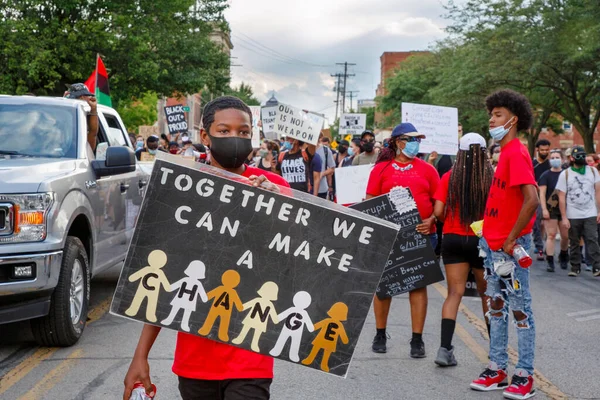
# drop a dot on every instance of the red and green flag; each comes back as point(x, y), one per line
point(97, 83)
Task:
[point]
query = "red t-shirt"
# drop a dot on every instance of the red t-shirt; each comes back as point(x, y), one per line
point(421, 178)
point(505, 199)
point(200, 358)
point(452, 221)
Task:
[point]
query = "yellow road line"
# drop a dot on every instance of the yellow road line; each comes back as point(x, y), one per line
point(53, 377)
point(542, 383)
point(28, 364)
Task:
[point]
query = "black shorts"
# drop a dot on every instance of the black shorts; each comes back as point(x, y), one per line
point(228, 389)
point(555, 214)
point(457, 249)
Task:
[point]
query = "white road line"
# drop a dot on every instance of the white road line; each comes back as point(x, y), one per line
point(591, 317)
point(584, 312)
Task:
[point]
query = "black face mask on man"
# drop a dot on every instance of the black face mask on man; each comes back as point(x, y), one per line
point(230, 152)
point(368, 146)
point(579, 161)
point(343, 149)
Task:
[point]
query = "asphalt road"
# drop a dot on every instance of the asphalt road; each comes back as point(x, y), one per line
point(567, 317)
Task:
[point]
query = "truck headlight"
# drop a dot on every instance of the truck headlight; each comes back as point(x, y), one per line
point(26, 216)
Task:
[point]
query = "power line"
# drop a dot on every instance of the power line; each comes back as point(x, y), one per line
point(345, 76)
point(262, 53)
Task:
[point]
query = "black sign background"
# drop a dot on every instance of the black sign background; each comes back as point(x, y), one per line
point(176, 119)
point(157, 229)
point(412, 262)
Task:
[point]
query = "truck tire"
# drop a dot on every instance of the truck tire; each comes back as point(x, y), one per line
point(64, 324)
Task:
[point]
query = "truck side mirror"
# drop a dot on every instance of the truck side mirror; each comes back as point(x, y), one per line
point(119, 160)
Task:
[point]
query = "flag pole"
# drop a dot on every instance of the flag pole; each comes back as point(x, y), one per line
point(96, 80)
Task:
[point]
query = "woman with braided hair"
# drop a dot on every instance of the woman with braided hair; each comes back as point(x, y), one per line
point(460, 201)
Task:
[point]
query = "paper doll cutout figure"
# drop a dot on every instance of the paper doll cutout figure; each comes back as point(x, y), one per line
point(151, 278)
point(261, 308)
point(332, 329)
point(226, 298)
point(296, 318)
point(190, 288)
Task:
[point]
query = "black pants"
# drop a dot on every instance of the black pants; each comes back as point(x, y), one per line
point(228, 389)
point(588, 228)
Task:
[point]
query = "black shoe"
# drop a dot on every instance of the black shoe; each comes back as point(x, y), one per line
point(575, 271)
point(417, 349)
point(564, 263)
point(379, 343)
point(596, 272)
point(550, 268)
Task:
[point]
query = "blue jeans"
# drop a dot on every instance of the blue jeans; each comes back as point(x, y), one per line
point(434, 239)
point(514, 292)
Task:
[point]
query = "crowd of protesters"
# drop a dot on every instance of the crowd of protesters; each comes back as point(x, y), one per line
point(497, 182)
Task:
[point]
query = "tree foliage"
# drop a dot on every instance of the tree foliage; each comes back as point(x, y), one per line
point(547, 49)
point(245, 93)
point(140, 111)
point(161, 46)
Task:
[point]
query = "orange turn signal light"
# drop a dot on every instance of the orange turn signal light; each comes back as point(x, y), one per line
point(27, 218)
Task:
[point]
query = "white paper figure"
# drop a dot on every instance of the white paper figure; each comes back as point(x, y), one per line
point(296, 318)
point(261, 308)
point(190, 288)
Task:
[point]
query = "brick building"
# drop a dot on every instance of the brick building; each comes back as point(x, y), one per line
point(390, 62)
point(569, 138)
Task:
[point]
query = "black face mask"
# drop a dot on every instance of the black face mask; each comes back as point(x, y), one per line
point(343, 149)
point(580, 161)
point(543, 156)
point(230, 152)
point(368, 147)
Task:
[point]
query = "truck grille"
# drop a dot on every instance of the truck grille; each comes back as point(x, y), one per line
point(6, 219)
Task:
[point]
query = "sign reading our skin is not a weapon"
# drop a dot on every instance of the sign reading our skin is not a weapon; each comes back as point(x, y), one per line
point(296, 123)
point(285, 275)
point(176, 121)
point(412, 263)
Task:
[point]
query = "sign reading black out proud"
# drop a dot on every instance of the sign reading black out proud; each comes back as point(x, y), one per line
point(412, 263)
point(176, 119)
point(286, 275)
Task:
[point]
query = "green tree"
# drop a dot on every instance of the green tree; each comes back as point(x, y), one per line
point(370, 111)
point(162, 46)
point(140, 111)
point(245, 93)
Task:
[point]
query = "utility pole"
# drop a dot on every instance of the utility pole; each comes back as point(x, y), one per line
point(346, 75)
point(351, 95)
point(337, 89)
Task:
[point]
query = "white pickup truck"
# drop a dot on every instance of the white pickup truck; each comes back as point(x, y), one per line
point(66, 212)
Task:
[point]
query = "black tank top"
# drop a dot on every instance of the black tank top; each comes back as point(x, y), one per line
point(261, 166)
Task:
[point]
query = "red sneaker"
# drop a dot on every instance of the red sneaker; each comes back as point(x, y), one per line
point(490, 379)
point(521, 387)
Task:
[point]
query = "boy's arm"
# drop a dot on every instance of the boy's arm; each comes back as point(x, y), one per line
point(285, 314)
point(139, 369)
point(237, 302)
point(309, 325)
point(137, 275)
point(530, 205)
point(213, 293)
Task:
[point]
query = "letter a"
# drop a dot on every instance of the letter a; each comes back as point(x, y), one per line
point(246, 259)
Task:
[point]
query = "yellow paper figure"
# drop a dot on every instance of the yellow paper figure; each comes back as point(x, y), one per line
point(226, 298)
point(151, 277)
point(261, 308)
point(331, 329)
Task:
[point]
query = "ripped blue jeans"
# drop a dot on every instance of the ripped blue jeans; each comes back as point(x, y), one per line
point(509, 292)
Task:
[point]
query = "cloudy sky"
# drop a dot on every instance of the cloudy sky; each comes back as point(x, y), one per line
point(292, 47)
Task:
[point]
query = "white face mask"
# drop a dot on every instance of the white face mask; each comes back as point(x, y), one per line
point(499, 132)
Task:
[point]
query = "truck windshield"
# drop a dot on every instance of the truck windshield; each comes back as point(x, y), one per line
point(38, 130)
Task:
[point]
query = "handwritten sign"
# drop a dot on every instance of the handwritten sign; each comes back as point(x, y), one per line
point(438, 124)
point(294, 122)
point(351, 183)
point(268, 115)
point(412, 263)
point(289, 277)
point(352, 124)
point(176, 119)
point(147, 157)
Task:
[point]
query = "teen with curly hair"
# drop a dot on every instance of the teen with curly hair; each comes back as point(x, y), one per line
point(508, 222)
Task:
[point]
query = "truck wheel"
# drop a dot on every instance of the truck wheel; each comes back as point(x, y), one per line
point(64, 324)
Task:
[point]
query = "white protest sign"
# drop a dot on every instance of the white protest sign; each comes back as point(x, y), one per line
point(438, 124)
point(255, 128)
point(295, 123)
point(352, 124)
point(351, 183)
point(268, 122)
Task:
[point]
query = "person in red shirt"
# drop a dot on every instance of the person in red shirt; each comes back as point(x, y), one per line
point(460, 201)
point(508, 222)
point(398, 165)
point(209, 369)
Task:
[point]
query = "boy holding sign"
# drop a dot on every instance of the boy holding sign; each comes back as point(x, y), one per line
point(232, 373)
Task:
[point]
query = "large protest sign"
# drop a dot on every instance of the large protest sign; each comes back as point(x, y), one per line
point(176, 119)
point(351, 183)
point(218, 258)
point(412, 263)
point(268, 115)
point(471, 286)
point(255, 128)
point(352, 124)
point(438, 124)
point(298, 124)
